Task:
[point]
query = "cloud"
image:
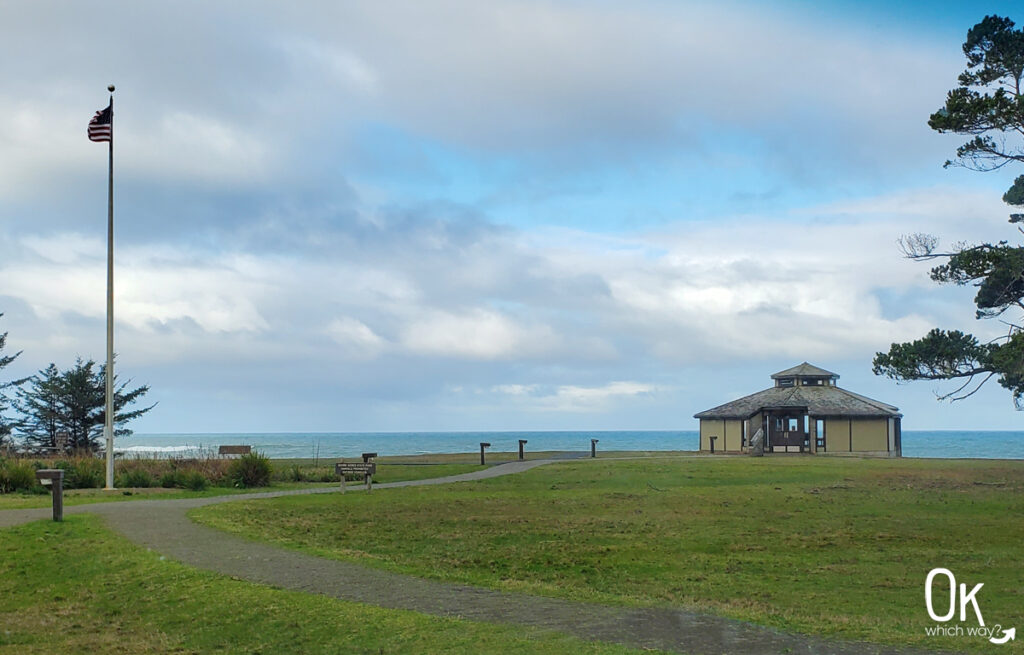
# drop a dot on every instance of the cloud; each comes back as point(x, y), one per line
point(347, 69)
point(708, 292)
point(355, 337)
point(514, 389)
point(154, 285)
point(550, 320)
point(574, 398)
point(375, 198)
point(476, 334)
point(286, 90)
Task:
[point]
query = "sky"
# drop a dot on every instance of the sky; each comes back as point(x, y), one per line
point(503, 215)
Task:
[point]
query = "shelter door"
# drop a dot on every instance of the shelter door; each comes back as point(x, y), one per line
point(788, 432)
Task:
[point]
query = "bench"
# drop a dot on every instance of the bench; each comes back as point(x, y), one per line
point(356, 469)
point(234, 450)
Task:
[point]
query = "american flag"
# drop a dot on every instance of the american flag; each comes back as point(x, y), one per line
point(100, 125)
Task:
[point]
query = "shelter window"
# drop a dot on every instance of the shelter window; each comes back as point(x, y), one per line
point(786, 382)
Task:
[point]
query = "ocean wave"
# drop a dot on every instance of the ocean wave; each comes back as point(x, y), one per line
point(157, 449)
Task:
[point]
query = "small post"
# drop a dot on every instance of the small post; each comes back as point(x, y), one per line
point(521, 443)
point(593, 447)
point(712, 440)
point(482, 446)
point(339, 469)
point(368, 478)
point(54, 478)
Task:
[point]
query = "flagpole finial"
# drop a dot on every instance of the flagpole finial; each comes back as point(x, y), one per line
point(110, 87)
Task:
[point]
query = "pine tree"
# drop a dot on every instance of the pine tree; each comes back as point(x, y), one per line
point(72, 404)
point(988, 106)
point(7, 424)
point(40, 404)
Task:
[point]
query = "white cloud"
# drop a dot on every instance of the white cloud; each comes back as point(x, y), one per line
point(549, 321)
point(247, 147)
point(574, 80)
point(514, 389)
point(475, 334)
point(517, 74)
point(346, 68)
point(67, 248)
point(709, 292)
point(153, 285)
point(187, 145)
point(574, 398)
point(585, 398)
point(355, 337)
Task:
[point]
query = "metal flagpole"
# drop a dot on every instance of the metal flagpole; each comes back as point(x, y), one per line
point(108, 426)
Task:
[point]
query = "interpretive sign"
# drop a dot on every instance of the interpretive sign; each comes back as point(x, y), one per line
point(364, 469)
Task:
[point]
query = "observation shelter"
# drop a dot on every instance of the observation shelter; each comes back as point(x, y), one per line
point(804, 412)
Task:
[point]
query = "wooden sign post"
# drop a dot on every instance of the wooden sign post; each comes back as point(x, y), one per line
point(54, 478)
point(365, 469)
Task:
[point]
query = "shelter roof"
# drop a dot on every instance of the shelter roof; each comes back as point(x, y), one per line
point(805, 370)
point(817, 401)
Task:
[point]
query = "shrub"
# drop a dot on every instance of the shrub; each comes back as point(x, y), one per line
point(172, 479)
point(322, 475)
point(83, 473)
point(252, 470)
point(16, 477)
point(195, 481)
point(137, 478)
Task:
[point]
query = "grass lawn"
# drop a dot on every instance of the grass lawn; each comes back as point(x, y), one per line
point(73, 587)
point(498, 456)
point(385, 473)
point(830, 546)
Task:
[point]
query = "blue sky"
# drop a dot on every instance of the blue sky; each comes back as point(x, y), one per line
point(504, 215)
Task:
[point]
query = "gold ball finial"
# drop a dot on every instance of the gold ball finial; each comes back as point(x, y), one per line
point(110, 87)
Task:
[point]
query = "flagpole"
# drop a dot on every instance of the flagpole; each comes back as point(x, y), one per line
point(108, 426)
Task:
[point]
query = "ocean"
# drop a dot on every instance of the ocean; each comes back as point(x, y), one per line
point(916, 443)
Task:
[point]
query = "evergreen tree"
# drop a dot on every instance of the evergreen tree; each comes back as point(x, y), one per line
point(82, 397)
point(7, 424)
point(72, 403)
point(40, 405)
point(988, 106)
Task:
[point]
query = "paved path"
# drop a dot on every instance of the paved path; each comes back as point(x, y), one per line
point(162, 525)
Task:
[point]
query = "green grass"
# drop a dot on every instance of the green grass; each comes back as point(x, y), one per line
point(490, 457)
point(73, 587)
point(88, 496)
point(386, 473)
point(837, 547)
point(399, 472)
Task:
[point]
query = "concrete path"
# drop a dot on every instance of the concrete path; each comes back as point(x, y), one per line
point(162, 525)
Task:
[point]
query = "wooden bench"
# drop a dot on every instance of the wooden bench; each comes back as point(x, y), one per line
point(234, 450)
point(364, 469)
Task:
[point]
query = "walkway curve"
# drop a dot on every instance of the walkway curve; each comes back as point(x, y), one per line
point(163, 526)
